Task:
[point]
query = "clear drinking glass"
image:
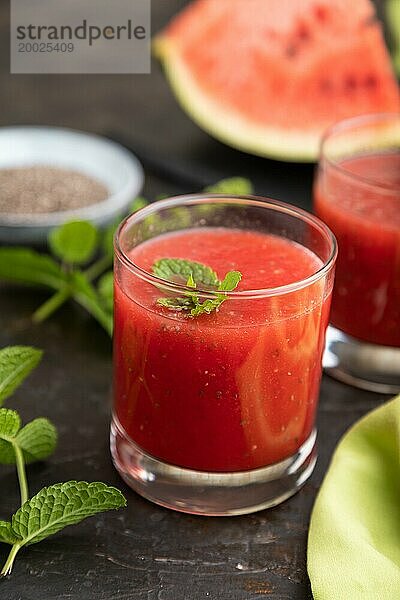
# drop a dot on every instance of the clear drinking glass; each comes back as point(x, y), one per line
point(357, 193)
point(215, 414)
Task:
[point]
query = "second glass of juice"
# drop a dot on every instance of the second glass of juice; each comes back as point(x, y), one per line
point(215, 414)
point(357, 193)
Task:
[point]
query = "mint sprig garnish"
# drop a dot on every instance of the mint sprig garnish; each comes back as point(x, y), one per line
point(58, 505)
point(194, 274)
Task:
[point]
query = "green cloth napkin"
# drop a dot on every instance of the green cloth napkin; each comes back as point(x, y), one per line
point(354, 537)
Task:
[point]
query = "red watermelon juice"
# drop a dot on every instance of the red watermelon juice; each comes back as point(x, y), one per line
point(359, 199)
point(229, 391)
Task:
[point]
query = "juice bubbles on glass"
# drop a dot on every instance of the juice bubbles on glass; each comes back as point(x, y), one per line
point(223, 402)
point(357, 193)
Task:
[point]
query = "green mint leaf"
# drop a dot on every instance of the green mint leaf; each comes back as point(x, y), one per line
point(138, 203)
point(105, 288)
point(228, 284)
point(206, 307)
point(37, 440)
point(237, 186)
point(190, 281)
point(16, 362)
point(10, 424)
point(87, 296)
point(26, 266)
point(7, 536)
point(62, 504)
point(74, 242)
point(230, 281)
point(194, 274)
point(177, 269)
point(194, 298)
point(176, 304)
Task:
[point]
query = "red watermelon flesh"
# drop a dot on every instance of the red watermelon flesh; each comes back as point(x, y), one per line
point(269, 76)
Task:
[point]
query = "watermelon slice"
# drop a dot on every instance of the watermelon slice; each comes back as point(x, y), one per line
point(269, 76)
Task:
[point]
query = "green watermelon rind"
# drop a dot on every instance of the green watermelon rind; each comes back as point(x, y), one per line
point(229, 126)
point(392, 10)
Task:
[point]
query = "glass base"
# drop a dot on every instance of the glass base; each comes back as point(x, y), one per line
point(367, 366)
point(212, 494)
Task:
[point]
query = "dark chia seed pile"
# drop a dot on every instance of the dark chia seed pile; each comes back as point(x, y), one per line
point(42, 189)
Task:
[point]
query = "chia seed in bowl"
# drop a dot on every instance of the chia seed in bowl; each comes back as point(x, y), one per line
point(45, 189)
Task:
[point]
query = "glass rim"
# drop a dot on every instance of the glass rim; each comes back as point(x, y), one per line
point(346, 125)
point(249, 200)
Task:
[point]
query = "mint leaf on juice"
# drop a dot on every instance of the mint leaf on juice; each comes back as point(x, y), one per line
point(190, 281)
point(16, 362)
point(194, 274)
point(176, 304)
point(228, 284)
point(74, 242)
point(230, 281)
point(179, 270)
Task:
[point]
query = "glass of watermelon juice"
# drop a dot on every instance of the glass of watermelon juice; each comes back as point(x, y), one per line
point(357, 193)
point(216, 391)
